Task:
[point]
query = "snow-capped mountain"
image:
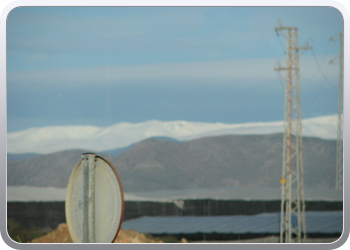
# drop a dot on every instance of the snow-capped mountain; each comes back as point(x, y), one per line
point(56, 138)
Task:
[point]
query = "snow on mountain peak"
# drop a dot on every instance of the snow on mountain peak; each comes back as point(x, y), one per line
point(56, 138)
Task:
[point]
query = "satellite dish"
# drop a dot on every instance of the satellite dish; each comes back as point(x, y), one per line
point(94, 201)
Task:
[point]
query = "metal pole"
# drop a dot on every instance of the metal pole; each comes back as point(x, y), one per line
point(89, 198)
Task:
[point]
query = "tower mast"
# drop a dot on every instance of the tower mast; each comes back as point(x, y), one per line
point(292, 228)
point(339, 164)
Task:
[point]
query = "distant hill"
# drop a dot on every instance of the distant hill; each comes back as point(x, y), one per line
point(119, 151)
point(231, 160)
point(19, 157)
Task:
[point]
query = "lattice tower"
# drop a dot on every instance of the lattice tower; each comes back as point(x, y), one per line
point(339, 163)
point(293, 226)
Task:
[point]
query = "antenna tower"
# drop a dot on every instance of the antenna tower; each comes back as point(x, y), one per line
point(339, 164)
point(292, 228)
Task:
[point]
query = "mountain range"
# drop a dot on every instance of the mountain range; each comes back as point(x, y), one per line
point(209, 162)
point(47, 140)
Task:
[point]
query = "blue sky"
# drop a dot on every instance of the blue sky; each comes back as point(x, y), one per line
point(104, 65)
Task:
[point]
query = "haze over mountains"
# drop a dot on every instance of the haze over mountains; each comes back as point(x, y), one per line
point(57, 138)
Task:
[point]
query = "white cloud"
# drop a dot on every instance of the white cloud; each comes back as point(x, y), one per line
point(56, 138)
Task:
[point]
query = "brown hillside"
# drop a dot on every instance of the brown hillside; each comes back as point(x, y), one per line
point(232, 160)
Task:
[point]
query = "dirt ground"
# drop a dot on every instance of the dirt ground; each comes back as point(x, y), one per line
point(61, 235)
